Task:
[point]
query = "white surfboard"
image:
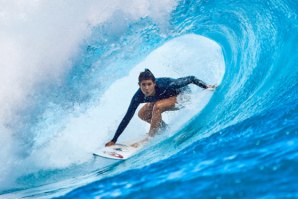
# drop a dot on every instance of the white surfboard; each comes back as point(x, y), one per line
point(117, 151)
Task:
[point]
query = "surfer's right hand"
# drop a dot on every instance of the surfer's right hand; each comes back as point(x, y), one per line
point(110, 143)
point(212, 87)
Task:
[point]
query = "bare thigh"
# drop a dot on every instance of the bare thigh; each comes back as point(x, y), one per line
point(168, 104)
point(145, 113)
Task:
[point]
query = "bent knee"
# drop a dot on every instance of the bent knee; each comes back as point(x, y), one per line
point(144, 114)
point(141, 114)
point(157, 107)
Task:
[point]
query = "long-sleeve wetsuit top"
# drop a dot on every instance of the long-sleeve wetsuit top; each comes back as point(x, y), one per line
point(165, 88)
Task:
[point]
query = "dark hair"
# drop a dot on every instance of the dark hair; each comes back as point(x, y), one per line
point(146, 75)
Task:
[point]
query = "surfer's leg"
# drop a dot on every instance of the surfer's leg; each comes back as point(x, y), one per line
point(158, 108)
point(145, 113)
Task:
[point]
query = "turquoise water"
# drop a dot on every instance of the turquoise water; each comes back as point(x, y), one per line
point(238, 142)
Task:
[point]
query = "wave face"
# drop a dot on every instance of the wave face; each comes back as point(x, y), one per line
point(241, 142)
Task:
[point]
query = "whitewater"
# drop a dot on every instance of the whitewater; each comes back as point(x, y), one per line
point(68, 70)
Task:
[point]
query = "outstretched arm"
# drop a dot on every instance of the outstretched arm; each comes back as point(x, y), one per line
point(123, 124)
point(184, 81)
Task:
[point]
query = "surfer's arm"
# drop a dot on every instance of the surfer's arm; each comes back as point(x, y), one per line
point(184, 81)
point(129, 114)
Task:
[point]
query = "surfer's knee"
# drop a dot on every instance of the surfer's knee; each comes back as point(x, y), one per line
point(141, 114)
point(145, 113)
point(157, 108)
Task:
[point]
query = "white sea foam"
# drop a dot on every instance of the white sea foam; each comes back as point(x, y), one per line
point(183, 56)
point(38, 41)
point(186, 55)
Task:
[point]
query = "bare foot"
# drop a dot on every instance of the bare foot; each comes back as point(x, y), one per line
point(135, 145)
point(141, 143)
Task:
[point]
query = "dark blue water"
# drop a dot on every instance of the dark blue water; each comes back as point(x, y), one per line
point(242, 145)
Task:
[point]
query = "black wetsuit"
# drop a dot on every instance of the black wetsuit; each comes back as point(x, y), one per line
point(165, 88)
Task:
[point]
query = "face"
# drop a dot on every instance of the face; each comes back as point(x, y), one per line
point(147, 87)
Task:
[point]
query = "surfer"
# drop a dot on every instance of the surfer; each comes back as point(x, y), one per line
point(160, 95)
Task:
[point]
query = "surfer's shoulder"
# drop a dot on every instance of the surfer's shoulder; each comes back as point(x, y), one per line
point(164, 81)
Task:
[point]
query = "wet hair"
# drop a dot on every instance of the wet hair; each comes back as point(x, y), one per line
point(146, 75)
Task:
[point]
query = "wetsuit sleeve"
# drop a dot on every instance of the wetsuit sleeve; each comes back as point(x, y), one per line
point(184, 81)
point(129, 114)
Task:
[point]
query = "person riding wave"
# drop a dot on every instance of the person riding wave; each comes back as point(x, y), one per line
point(160, 95)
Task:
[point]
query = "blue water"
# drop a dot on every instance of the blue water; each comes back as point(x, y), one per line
point(244, 142)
